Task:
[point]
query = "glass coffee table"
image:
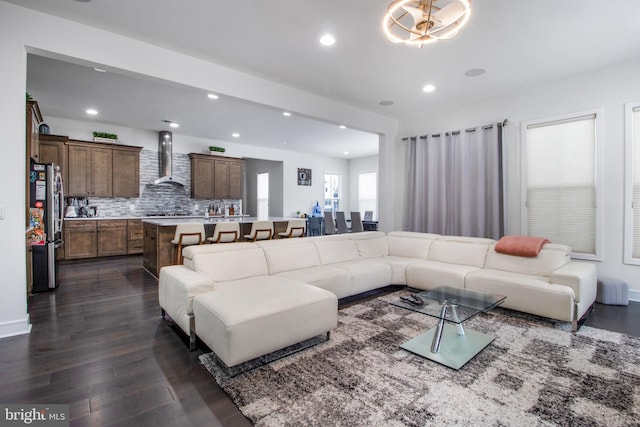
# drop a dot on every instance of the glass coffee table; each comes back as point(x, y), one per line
point(448, 343)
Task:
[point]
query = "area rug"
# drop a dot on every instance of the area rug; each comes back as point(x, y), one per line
point(535, 373)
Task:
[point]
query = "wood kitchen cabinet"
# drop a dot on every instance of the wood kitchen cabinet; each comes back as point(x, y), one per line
point(158, 249)
point(126, 172)
point(112, 237)
point(150, 245)
point(90, 171)
point(34, 118)
point(80, 239)
point(54, 150)
point(135, 236)
point(103, 170)
point(215, 177)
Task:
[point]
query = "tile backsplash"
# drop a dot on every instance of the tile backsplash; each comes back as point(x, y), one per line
point(167, 198)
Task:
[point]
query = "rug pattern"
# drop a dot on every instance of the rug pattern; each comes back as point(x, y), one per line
point(535, 373)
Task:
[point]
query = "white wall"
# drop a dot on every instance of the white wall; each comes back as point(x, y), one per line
point(607, 88)
point(23, 30)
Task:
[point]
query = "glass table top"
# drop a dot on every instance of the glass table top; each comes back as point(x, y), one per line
point(462, 304)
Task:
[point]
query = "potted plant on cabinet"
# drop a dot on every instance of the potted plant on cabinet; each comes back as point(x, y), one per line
point(216, 150)
point(105, 137)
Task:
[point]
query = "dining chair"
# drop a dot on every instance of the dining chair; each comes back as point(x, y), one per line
point(315, 226)
point(329, 224)
point(368, 215)
point(341, 222)
point(356, 222)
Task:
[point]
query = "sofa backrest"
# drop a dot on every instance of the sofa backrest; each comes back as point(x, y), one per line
point(189, 251)
point(332, 251)
point(410, 244)
point(289, 254)
point(371, 243)
point(551, 257)
point(224, 266)
point(460, 251)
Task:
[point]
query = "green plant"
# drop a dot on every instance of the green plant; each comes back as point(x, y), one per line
point(105, 135)
point(218, 149)
point(29, 98)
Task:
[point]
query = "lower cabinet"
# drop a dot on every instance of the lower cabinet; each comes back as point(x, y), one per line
point(80, 239)
point(101, 238)
point(135, 236)
point(112, 237)
point(150, 245)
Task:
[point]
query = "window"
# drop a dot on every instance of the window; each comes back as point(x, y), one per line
point(263, 195)
point(561, 182)
point(367, 192)
point(332, 192)
point(632, 184)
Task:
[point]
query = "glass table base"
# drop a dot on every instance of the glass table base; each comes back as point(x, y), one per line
point(455, 350)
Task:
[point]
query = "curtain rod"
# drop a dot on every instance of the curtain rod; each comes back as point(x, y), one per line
point(457, 132)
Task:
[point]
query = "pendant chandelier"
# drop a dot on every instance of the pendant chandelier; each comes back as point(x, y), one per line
point(418, 22)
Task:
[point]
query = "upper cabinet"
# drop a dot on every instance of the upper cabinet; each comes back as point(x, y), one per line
point(34, 118)
point(216, 177)
point(102, 170)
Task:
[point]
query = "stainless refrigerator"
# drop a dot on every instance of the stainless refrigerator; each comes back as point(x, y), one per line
point(45, 219)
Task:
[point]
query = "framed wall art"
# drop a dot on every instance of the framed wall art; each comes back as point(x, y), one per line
point(304, 176)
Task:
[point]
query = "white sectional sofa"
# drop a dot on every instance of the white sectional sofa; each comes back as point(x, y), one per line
point(549, 285)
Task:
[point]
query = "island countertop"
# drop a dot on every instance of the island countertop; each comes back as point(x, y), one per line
point(175, 220)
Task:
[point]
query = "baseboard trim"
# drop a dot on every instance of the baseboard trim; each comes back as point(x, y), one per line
point(634, 295)
point(15, 327)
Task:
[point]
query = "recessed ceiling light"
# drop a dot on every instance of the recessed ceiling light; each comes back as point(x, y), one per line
point(286, 113)
point(346, 153)
point(284, 143)
point(386, 102)
point(100, 70)
point(83, 1)
point(343, 127)
point(174, 125)
point(475, 72)
point(235, 135)
point(327, 40)
point(212, 96)
point(92, 112)
point(429, 88)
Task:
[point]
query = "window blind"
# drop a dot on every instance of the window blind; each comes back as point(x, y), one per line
point(635, 252)
point(561, 182)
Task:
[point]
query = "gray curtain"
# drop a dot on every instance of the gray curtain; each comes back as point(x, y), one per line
point(454, 183)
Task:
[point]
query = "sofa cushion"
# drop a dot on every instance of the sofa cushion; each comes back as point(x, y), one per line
point(366, 274)
point(551, 257)
point(399, 268)
point(336, 250)
point(410, 244)
point(527, 293)
point(232, 265)
point(459, 252)
point(375, 246)
point(431, 274)
point(292, 254)
point(335, 280)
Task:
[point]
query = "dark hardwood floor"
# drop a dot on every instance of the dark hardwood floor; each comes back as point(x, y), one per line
point(98, 344)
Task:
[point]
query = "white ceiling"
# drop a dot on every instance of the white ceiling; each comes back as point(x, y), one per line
point(518, 43)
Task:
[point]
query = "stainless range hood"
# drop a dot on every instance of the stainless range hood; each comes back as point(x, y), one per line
point(165, 154)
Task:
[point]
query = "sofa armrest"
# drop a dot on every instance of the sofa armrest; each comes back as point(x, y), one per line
point(579, 276)
point(178, 285)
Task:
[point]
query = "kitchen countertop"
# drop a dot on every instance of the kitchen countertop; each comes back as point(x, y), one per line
point(175, 220)
point(127, 217)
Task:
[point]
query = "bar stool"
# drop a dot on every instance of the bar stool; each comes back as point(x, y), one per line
point(187, 235)
point(225, 232)
point(295, 228)
point(260, 230)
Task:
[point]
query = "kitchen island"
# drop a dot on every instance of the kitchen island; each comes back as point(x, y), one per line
point(158, 251)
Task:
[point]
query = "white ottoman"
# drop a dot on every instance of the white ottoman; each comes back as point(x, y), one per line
point(248, 318)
